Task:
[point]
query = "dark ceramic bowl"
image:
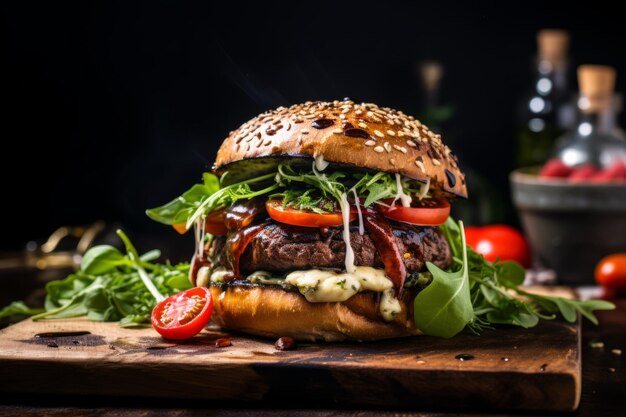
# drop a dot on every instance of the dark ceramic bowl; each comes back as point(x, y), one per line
point(570, 227)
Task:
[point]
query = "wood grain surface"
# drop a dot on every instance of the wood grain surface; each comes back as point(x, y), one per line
point(541, 370)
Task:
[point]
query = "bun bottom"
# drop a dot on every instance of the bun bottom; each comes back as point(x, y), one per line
point(273, 312)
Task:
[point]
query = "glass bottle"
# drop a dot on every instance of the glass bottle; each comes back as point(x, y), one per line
point(548, 111)
point(596, 139)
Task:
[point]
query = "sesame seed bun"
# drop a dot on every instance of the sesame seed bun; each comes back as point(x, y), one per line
point(346, 133)
point(273, 312)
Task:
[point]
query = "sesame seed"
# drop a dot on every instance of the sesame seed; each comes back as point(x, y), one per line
point(421, 166)
point(305, 131)
point(400, 133)
point(345, 110)
point(358, 112)
point(387, 146)
point(337, 131)
point(391, 133)
point(370, 143)
point(298, 120)
point(342, 116)
point(362, 125)
point(400, 148)
point(377, 119)
point(370, 114)
point(392, 161)
point(616, 352)
point(379, 149)
point(379, 133)
point(411, 143)
point(267, 142)
point(436, 162)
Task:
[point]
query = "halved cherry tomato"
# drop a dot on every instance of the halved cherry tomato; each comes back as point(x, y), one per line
point(303, 218)
point(498, 241)
point(428, 213)
point(611, 272)
point(214, 224)
point(183, 315)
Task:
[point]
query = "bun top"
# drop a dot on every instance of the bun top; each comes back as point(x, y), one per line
point(342, 132)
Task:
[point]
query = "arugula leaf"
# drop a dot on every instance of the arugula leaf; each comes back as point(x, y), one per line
point(179, 209)
point(100, 259)
point(493, 285)
point(109, 287)
point(18, 308)
point(444, 307)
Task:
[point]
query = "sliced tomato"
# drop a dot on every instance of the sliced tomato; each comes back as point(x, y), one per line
point(304, 218)
point(214, 224)
point(421, 213)
point(183, 315)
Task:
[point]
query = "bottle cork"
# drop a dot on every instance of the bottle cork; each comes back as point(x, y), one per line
point(431, 73)
point(596, 84)
point(553, 45)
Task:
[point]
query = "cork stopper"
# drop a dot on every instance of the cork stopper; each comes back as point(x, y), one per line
point(596, 84)
point(431, 73)
point(553, 45)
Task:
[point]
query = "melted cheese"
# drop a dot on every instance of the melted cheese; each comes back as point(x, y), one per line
point(319, 286)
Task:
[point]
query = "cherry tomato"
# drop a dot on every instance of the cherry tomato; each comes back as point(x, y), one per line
point(423, 213)
point(611, 272)
point(304, 218)
point(183, 315)
point(498, 241)
point(214, 224)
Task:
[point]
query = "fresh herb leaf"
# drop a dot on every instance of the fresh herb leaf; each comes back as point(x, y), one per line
point(101, 259)
point(110, 286)
point(18, 308)
point(444, 307)
point(496, 295)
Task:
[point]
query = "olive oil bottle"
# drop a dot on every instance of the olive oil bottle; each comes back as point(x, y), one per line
point(548, 110)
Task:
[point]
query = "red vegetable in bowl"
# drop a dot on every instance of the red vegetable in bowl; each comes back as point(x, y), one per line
point(555, 168)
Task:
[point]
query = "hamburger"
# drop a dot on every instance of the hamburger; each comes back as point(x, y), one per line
point(318, 220)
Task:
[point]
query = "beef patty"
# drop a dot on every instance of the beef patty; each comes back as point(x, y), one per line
point(279, 247)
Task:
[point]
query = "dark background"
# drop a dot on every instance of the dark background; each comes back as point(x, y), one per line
point(113, 107)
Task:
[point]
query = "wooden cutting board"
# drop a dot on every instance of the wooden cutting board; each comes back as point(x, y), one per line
point(536, 369)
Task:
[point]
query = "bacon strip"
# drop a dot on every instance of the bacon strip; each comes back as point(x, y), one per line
point(387, 247)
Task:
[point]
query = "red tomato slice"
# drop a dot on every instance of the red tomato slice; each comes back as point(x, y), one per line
point(183, 315)
point(498, 241)
point(214, 224)
point(611, 272)
point(303, 218)
point(430, 213)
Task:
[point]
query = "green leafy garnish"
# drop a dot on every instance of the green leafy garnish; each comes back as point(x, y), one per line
point(110, 286)
point(475, 293)
point(18, 308)
point(444, 307)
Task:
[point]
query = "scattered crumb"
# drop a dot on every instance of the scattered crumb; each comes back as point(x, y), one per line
point(420, 362)
point(616, 352)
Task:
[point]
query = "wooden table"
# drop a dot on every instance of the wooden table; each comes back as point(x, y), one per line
point(604, 390)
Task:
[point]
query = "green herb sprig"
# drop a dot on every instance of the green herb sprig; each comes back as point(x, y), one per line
point(110, 286)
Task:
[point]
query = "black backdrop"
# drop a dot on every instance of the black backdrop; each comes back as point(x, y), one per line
point(113, 107)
